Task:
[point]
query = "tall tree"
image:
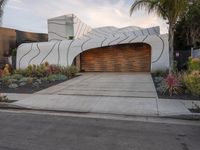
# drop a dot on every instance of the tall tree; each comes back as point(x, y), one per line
point(2, 4)
point(170, 10)
point(187, 32)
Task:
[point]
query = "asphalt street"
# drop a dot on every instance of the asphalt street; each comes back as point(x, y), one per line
point(23, 131)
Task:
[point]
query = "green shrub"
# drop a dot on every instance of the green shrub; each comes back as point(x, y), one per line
point(73, 71)
point(194, 64)
point(29, 80)
point(61, 77)
point(45, 70)
point(20, 71)
point(69, 71)
point(5, 79)
point(175, 67)
point(8, 80)
point(51, 78)
point(17, 76)
point(24, 79)
point(192, 82)
point(14, 52)
point(32, 71)
point(56, 77)
point(159, 73)
point(11, 81)
point(13, 86)
point(45, 79)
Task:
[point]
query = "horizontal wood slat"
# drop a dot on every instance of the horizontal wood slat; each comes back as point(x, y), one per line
point(121, 58)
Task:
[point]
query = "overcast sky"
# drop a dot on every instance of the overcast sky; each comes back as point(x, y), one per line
point(32, 15)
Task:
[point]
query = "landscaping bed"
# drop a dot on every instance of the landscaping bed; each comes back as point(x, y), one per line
point(183, 85)
point(29, 89)
point(34, 78)
point(194, 110)
point(181, 95)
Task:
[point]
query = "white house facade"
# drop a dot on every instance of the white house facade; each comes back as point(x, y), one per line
point(98, 49)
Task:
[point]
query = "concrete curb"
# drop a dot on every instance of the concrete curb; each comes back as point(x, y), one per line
point(193, 116)
point(4, 105)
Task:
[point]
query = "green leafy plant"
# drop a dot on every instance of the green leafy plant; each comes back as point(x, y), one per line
point(194, 64)
point(71, 71)
point(159, 73)
point(192, 82)
point(175, 67)
point(5, 79)
point(29, 80)
point(17, 76)
point(32, 71)
point(45, 70)
point(56, 77)
point(34, 75)
point(14, 52)
point(13, 86)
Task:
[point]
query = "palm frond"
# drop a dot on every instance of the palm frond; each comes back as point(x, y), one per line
point(2, 4)
point(149, 5)
point(138, 4)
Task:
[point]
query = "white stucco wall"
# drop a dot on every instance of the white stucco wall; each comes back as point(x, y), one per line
point(63, 51)
point(62, 27)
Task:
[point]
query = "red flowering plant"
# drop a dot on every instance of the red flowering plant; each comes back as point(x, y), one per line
point(173, 84)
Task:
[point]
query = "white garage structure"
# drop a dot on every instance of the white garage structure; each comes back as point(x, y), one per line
point(69, 37)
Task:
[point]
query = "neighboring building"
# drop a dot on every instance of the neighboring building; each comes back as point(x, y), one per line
point(129, 49)
point(11, 38)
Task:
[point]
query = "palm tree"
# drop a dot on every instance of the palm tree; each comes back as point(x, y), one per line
point(170, 10)
point(2, 4)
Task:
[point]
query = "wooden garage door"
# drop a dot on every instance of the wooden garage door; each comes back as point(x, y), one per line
point(121, 58)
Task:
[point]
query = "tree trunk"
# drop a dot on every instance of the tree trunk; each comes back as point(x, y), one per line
point(171, 48)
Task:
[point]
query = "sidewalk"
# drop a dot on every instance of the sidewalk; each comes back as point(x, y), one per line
point(105, 105)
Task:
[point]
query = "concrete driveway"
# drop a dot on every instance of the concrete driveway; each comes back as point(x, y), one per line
point(107, 93)
point(107, 84)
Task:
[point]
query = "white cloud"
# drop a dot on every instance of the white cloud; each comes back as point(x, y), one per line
point(14, 7)
point(95, 13)
point(17, 1)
